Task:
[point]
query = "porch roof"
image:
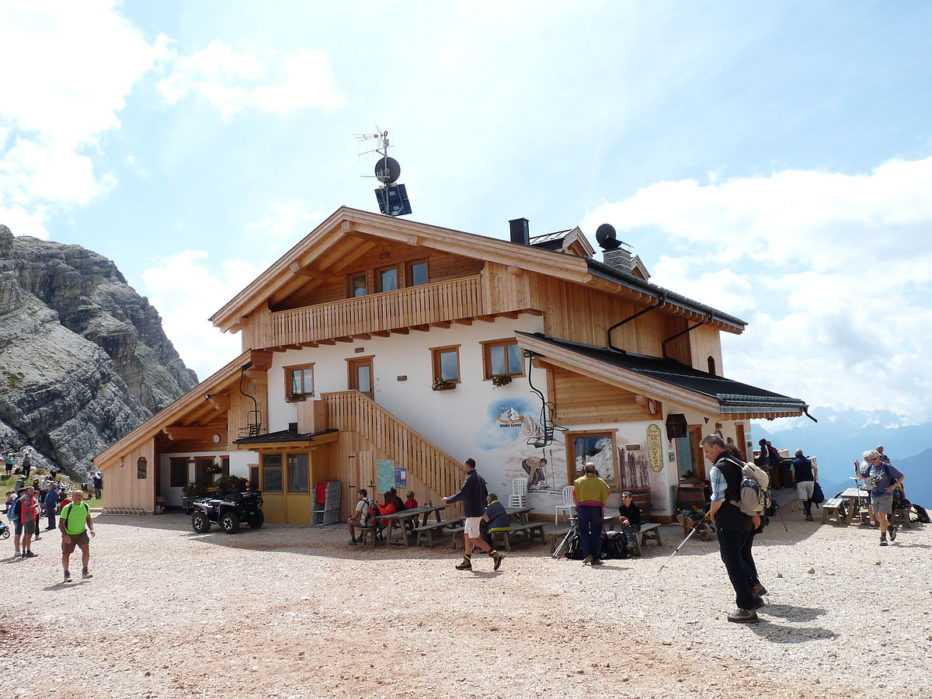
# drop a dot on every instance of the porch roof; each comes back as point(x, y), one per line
point(665, 379)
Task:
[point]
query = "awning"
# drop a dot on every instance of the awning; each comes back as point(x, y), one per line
point(664, 379)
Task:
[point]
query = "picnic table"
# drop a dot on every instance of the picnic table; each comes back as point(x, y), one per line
point(856, 501)
point(407, 522)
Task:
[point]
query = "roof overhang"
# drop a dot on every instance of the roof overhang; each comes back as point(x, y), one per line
point(663, 380)
point(286, 439)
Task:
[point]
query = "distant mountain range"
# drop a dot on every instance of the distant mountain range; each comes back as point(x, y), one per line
point(841, 437)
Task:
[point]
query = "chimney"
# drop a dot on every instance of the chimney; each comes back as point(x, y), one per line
point(519, 231)
point(619, 259)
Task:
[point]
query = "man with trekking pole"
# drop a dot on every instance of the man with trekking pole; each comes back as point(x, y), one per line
point(732, 526)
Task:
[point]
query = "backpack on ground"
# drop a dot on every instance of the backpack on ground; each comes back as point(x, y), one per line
point(755, 497)
point(573, 550)
point(921, 514)
point(614, 545)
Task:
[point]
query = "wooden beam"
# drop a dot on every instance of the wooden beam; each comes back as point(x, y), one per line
point(365, 336)
point(179, 432)
point(510, 314)
point(344, 339)
point(421, 328)
point(441, 324)
point(296, 268)
point(463, 321)
point(486, 319)
point(381, 333)
point(400, 331)
point(362, 247)
point(327, 342)
point(219, 401)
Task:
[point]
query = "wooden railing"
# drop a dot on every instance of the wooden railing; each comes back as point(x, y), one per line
point(419, 305)
point(353, 412)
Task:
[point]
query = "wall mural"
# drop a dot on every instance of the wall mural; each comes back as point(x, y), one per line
point(509, 424)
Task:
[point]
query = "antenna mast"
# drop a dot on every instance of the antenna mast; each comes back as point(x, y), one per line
point(392, 197)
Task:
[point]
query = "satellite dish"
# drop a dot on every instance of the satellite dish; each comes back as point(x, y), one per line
point(605, 235)
point(387, 170)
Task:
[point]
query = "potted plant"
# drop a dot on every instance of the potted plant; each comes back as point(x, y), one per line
point(295, 397)
point(500, 380)
point(441, 384)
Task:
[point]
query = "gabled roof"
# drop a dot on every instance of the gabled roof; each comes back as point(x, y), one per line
point(338, 236)
point(571, 241)
point(665, 379)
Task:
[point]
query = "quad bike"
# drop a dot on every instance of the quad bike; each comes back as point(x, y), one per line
point(228, 511)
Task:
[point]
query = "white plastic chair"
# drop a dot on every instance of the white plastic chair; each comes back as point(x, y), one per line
point(568, 505)
point(518, 497)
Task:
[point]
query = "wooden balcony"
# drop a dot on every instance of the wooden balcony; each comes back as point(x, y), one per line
point(416, 306)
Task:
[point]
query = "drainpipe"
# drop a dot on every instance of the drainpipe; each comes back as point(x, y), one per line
point(682, 332)
point(660, 301)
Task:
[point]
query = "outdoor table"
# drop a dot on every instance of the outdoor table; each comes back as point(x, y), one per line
point(519, 514)
point(405, 517)
point(857, 499)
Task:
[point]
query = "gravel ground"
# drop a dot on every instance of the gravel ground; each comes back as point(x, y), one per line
point(295, 612)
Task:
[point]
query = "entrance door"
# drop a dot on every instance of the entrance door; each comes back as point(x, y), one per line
point(742, 442)
point(360, 375)
point(689, 455)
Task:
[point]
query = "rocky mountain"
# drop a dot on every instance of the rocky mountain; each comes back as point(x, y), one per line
point(83, 358)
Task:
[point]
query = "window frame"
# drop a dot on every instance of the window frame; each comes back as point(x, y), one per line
point(350, 289)
point(436, 367)
point(172, 465)
point(378, 278)
point(571, 474)
point(289, 374)
point(281, 473)
point(409, 272)
point(487, 346)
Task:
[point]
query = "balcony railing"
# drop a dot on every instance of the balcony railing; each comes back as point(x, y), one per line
point(419, 305)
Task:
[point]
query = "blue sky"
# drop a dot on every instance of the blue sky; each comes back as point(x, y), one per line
point(771, 159)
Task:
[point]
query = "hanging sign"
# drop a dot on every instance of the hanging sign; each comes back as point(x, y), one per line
point(654, 449)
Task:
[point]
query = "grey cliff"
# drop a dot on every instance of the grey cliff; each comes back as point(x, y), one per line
point(83, 357)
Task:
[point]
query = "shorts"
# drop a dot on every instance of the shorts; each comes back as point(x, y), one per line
point(29, 528)
point(79, 540)
point(17, 527)
point(882, 503)
point(804, 490)
point(471, 528)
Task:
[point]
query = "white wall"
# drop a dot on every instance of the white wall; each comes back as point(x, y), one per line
point(239, 466)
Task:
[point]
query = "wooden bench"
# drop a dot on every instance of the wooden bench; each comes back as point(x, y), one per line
point(833, 510)
point(369, 532)
point(528, 529)
point(650, 530)
point(431, 529)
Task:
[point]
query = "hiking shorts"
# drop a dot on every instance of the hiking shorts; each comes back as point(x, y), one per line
point(804, 490)
point(17, 527)
point(882, 503)
point(471, 528)
point(79, 540)
point(29, 528)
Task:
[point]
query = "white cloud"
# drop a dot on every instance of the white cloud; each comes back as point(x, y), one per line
point(287, 222)
point(187, 289)
point(264, 81)
point(75, 63)
point(832, 271)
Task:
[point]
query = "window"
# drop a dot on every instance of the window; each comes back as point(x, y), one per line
point(254, 477)
point(141, 467)
point(446, 363)
point(417, 273)
point(711, 365)
point(358, 285)
point(178, 474)
point(297, 473)
point(272, 473)
point(597, 447)
point(502, 357)
point(299, 381)
point(388, 279)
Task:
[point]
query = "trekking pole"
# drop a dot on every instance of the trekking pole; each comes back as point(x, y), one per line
point(782, 521)
point(561, 548)
point(692, 531)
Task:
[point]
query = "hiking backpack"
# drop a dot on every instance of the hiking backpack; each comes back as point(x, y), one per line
point(755, 499)
point(921, 514)
point(369, 513)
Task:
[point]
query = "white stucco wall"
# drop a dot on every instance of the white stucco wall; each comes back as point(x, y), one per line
point(239, 466)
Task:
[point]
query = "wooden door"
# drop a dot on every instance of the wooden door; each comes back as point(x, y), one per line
point(361, 377)
point(695, 436)
point(742, 442)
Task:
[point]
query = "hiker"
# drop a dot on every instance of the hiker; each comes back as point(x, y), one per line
point(98, 483)
point(51, 504)
point(410, 501)
point(732, 526)
point(9, 464)
point(882, 479)
point(360, 515)
point(28, 508)
point(27, 464)
point(473, 493)
point(495, 519)
point(590, 493)
point(805, 474)
point(630, 519)
point(74, 524)
point(12, 514)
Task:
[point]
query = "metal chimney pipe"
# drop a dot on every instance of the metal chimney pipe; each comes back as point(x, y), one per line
point(520, 233)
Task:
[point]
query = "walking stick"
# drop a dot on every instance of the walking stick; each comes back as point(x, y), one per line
point(559, 550)
point(692, 531)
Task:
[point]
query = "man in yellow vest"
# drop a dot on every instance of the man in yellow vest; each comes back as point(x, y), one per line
point(590, 493)
point(74, 523)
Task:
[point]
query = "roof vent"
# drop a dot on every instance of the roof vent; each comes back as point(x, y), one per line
point(520, 232)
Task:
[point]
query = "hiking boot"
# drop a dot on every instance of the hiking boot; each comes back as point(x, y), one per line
point(597, 562)
point(29, 554)
point(808, 517)
point(883, 540)
point(759, 590)
point(743, 616)
point(893, 532)
point(498, 556)
point(353, 542)
point(587, 560)
point(67, 577)
point(86, 575)
point(17, 554)
point(465, 564)
point(758, 603)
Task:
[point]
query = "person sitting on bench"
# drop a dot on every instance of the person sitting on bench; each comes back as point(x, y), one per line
point(495, 519)
point(630, 519)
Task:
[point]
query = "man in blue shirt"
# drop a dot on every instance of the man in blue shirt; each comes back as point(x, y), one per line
point(805, 473)
point(51, 504)
point(473, 494)
point(882, 479)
